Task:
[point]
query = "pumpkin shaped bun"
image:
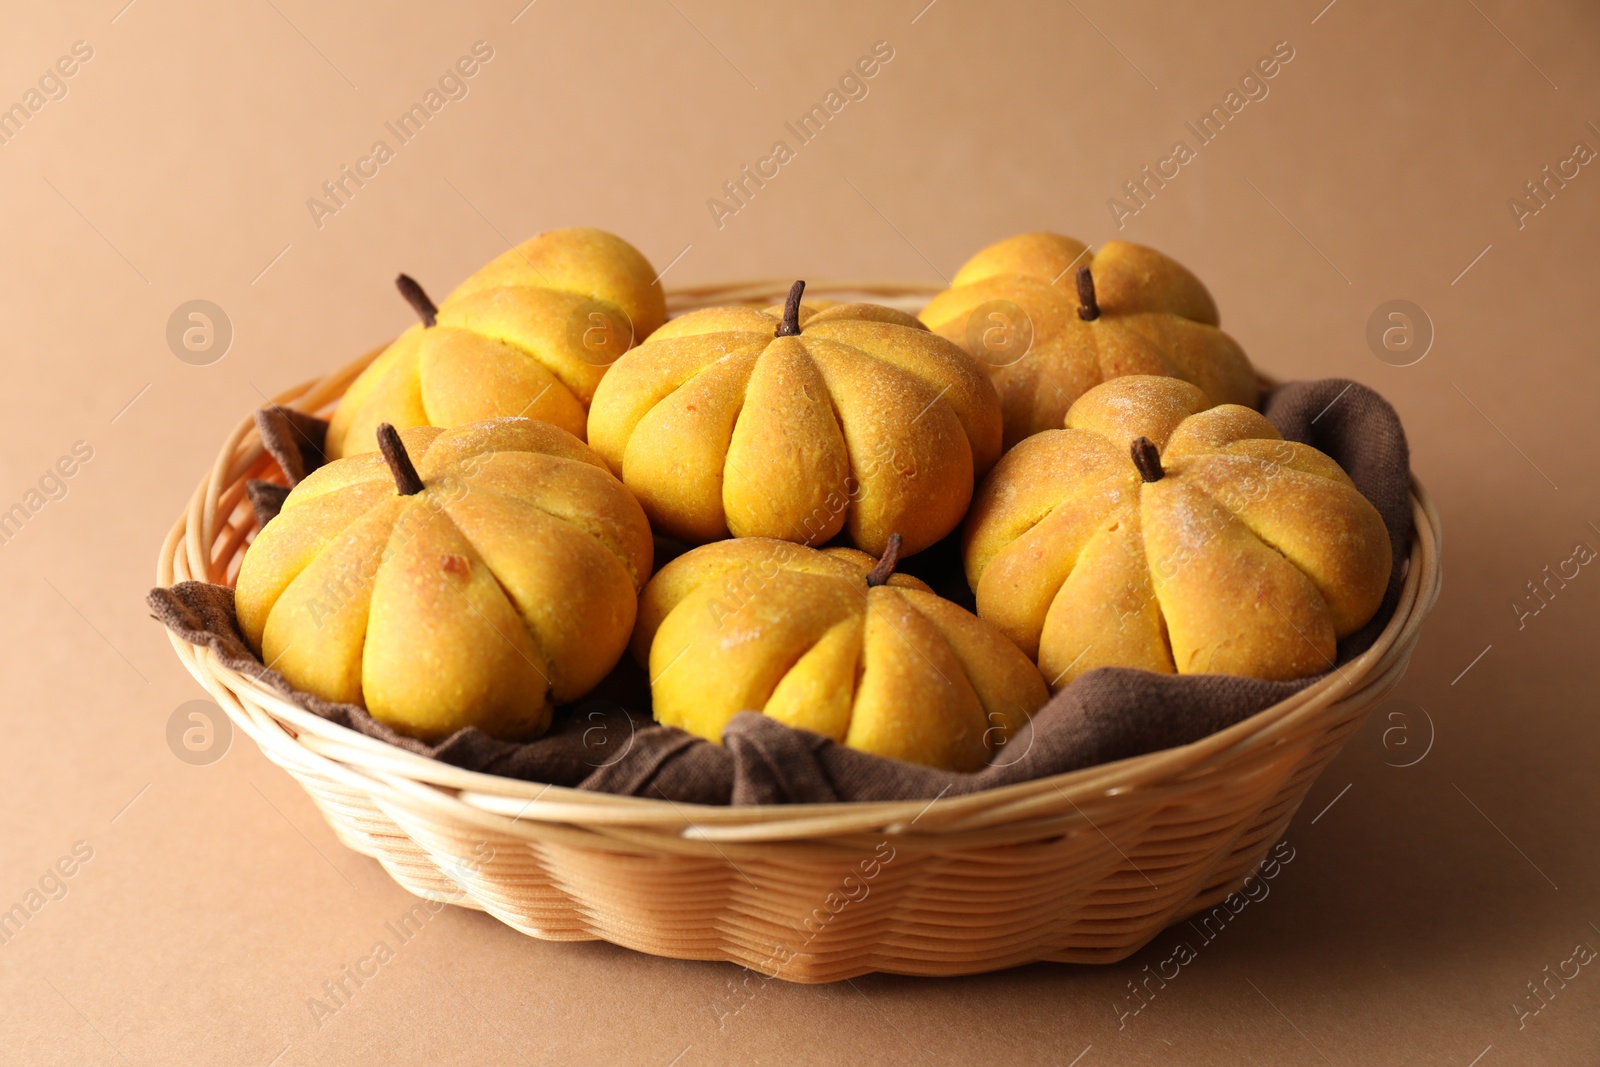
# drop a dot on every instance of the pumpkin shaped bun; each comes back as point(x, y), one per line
point(462, 577)
point(799, 424)
point(529, 335)
point(834, 642)
point(1052, 320)
point(1159, 532)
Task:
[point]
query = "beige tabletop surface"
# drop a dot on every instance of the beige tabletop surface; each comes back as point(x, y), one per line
point(1436, 889)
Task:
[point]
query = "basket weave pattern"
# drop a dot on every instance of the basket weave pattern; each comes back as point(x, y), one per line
point(1082, 867)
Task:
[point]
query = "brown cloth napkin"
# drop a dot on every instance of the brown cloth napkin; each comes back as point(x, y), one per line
point(608, 742)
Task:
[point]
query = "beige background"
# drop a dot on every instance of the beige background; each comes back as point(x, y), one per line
point(1418, 906)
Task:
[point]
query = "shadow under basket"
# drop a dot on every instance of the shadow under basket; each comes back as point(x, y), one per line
point(1084, 867)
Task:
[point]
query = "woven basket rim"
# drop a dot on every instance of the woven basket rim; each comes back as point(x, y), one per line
point(289, 733)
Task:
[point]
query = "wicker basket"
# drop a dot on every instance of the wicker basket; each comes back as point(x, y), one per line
point(1084, 867)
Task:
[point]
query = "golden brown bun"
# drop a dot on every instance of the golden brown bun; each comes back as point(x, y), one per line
point(507, 584)
point(759, 624)
point(863, 422)
point(1249, 555)
point(530, 335)
point(1156, 318)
